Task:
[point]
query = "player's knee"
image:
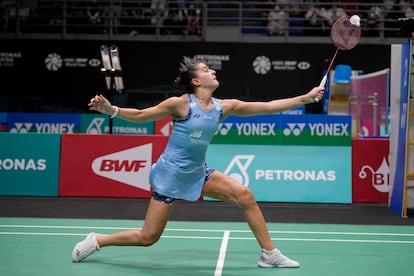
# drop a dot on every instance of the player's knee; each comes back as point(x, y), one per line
point(149, 240)
point(145, 239)
point(246, 198)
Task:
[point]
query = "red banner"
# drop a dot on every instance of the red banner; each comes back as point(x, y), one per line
point(370, 170)
point(163, 126)
point(108, 165)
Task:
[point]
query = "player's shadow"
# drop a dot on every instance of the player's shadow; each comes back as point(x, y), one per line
point(156, 268)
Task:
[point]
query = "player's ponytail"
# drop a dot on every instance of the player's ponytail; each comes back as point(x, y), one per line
point(185, 77)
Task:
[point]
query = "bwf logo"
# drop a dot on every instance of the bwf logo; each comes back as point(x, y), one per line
point(123, 166)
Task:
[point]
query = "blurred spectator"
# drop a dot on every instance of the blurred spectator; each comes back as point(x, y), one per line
point(112, 16)
point(297, 11)
point(276, 21)
point(318, 19)
point(94, 12)
point(193, 18)
point(351, 6)
point(373, 21)
point(13, 11)
point(77, 18)
point(175, 22)
point(407, 8)
point(159, 10)
point(135, 18)
point(391, 13)
point(50, 15)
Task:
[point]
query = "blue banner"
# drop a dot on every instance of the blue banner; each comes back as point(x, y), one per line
point(288, 173)
point(55, 123)
point(282, 129)
point(29, 164)
point(3, 121)
point(398, 188)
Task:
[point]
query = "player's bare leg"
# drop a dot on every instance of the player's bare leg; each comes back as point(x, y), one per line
point(223, 187)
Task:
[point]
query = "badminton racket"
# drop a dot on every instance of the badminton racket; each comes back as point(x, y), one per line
point(345, 34)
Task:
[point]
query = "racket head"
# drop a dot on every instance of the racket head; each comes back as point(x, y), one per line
point(344, 34)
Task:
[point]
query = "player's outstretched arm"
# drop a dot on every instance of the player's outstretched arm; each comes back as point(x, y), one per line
point(167, 107)
point(242, 108)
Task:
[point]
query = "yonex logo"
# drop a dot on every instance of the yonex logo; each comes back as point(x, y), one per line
point(237, 168)
point(25, 127)
point(224, 128)
point(21, 127)
point(317, 129)
point(123, 166)
point(248, 129)
point(294, 129)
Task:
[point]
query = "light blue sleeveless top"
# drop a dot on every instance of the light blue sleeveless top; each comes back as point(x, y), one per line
point(180, 170)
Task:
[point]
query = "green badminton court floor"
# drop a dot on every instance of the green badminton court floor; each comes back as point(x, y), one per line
point(37, 246)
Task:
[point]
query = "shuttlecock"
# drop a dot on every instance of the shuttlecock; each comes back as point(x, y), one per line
point(355, 20)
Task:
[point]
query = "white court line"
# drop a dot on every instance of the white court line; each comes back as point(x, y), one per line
point(219, 238)
point(208, 230)
point(222, 255)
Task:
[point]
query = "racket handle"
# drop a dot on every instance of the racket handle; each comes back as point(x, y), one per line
point(323, 81)
point(322, 84)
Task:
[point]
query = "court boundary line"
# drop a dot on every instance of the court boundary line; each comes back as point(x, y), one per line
point(222, 254)
point(211, 230)
point(218, 238)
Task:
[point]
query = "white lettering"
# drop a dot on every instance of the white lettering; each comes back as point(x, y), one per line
point(130, 130)
point(54, 128)
point(335, 129)
point(259, 129)
point(22, 164)
point(298, 175)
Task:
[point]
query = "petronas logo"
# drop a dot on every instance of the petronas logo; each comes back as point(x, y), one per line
point(196, 134)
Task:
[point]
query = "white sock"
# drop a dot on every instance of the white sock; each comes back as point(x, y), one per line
point(267, 252)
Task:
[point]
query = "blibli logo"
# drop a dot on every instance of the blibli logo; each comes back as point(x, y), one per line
point(379, 177)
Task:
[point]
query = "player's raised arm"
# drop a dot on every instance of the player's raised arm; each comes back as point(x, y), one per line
point(167, 107)
point(243, 108)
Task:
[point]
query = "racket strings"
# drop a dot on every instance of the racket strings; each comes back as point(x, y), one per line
point(344, 34)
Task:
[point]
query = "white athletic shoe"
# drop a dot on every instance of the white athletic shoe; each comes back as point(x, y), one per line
point(85, 248)
point(275, 259)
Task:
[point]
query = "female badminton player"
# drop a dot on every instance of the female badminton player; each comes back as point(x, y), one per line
point(181, 171)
